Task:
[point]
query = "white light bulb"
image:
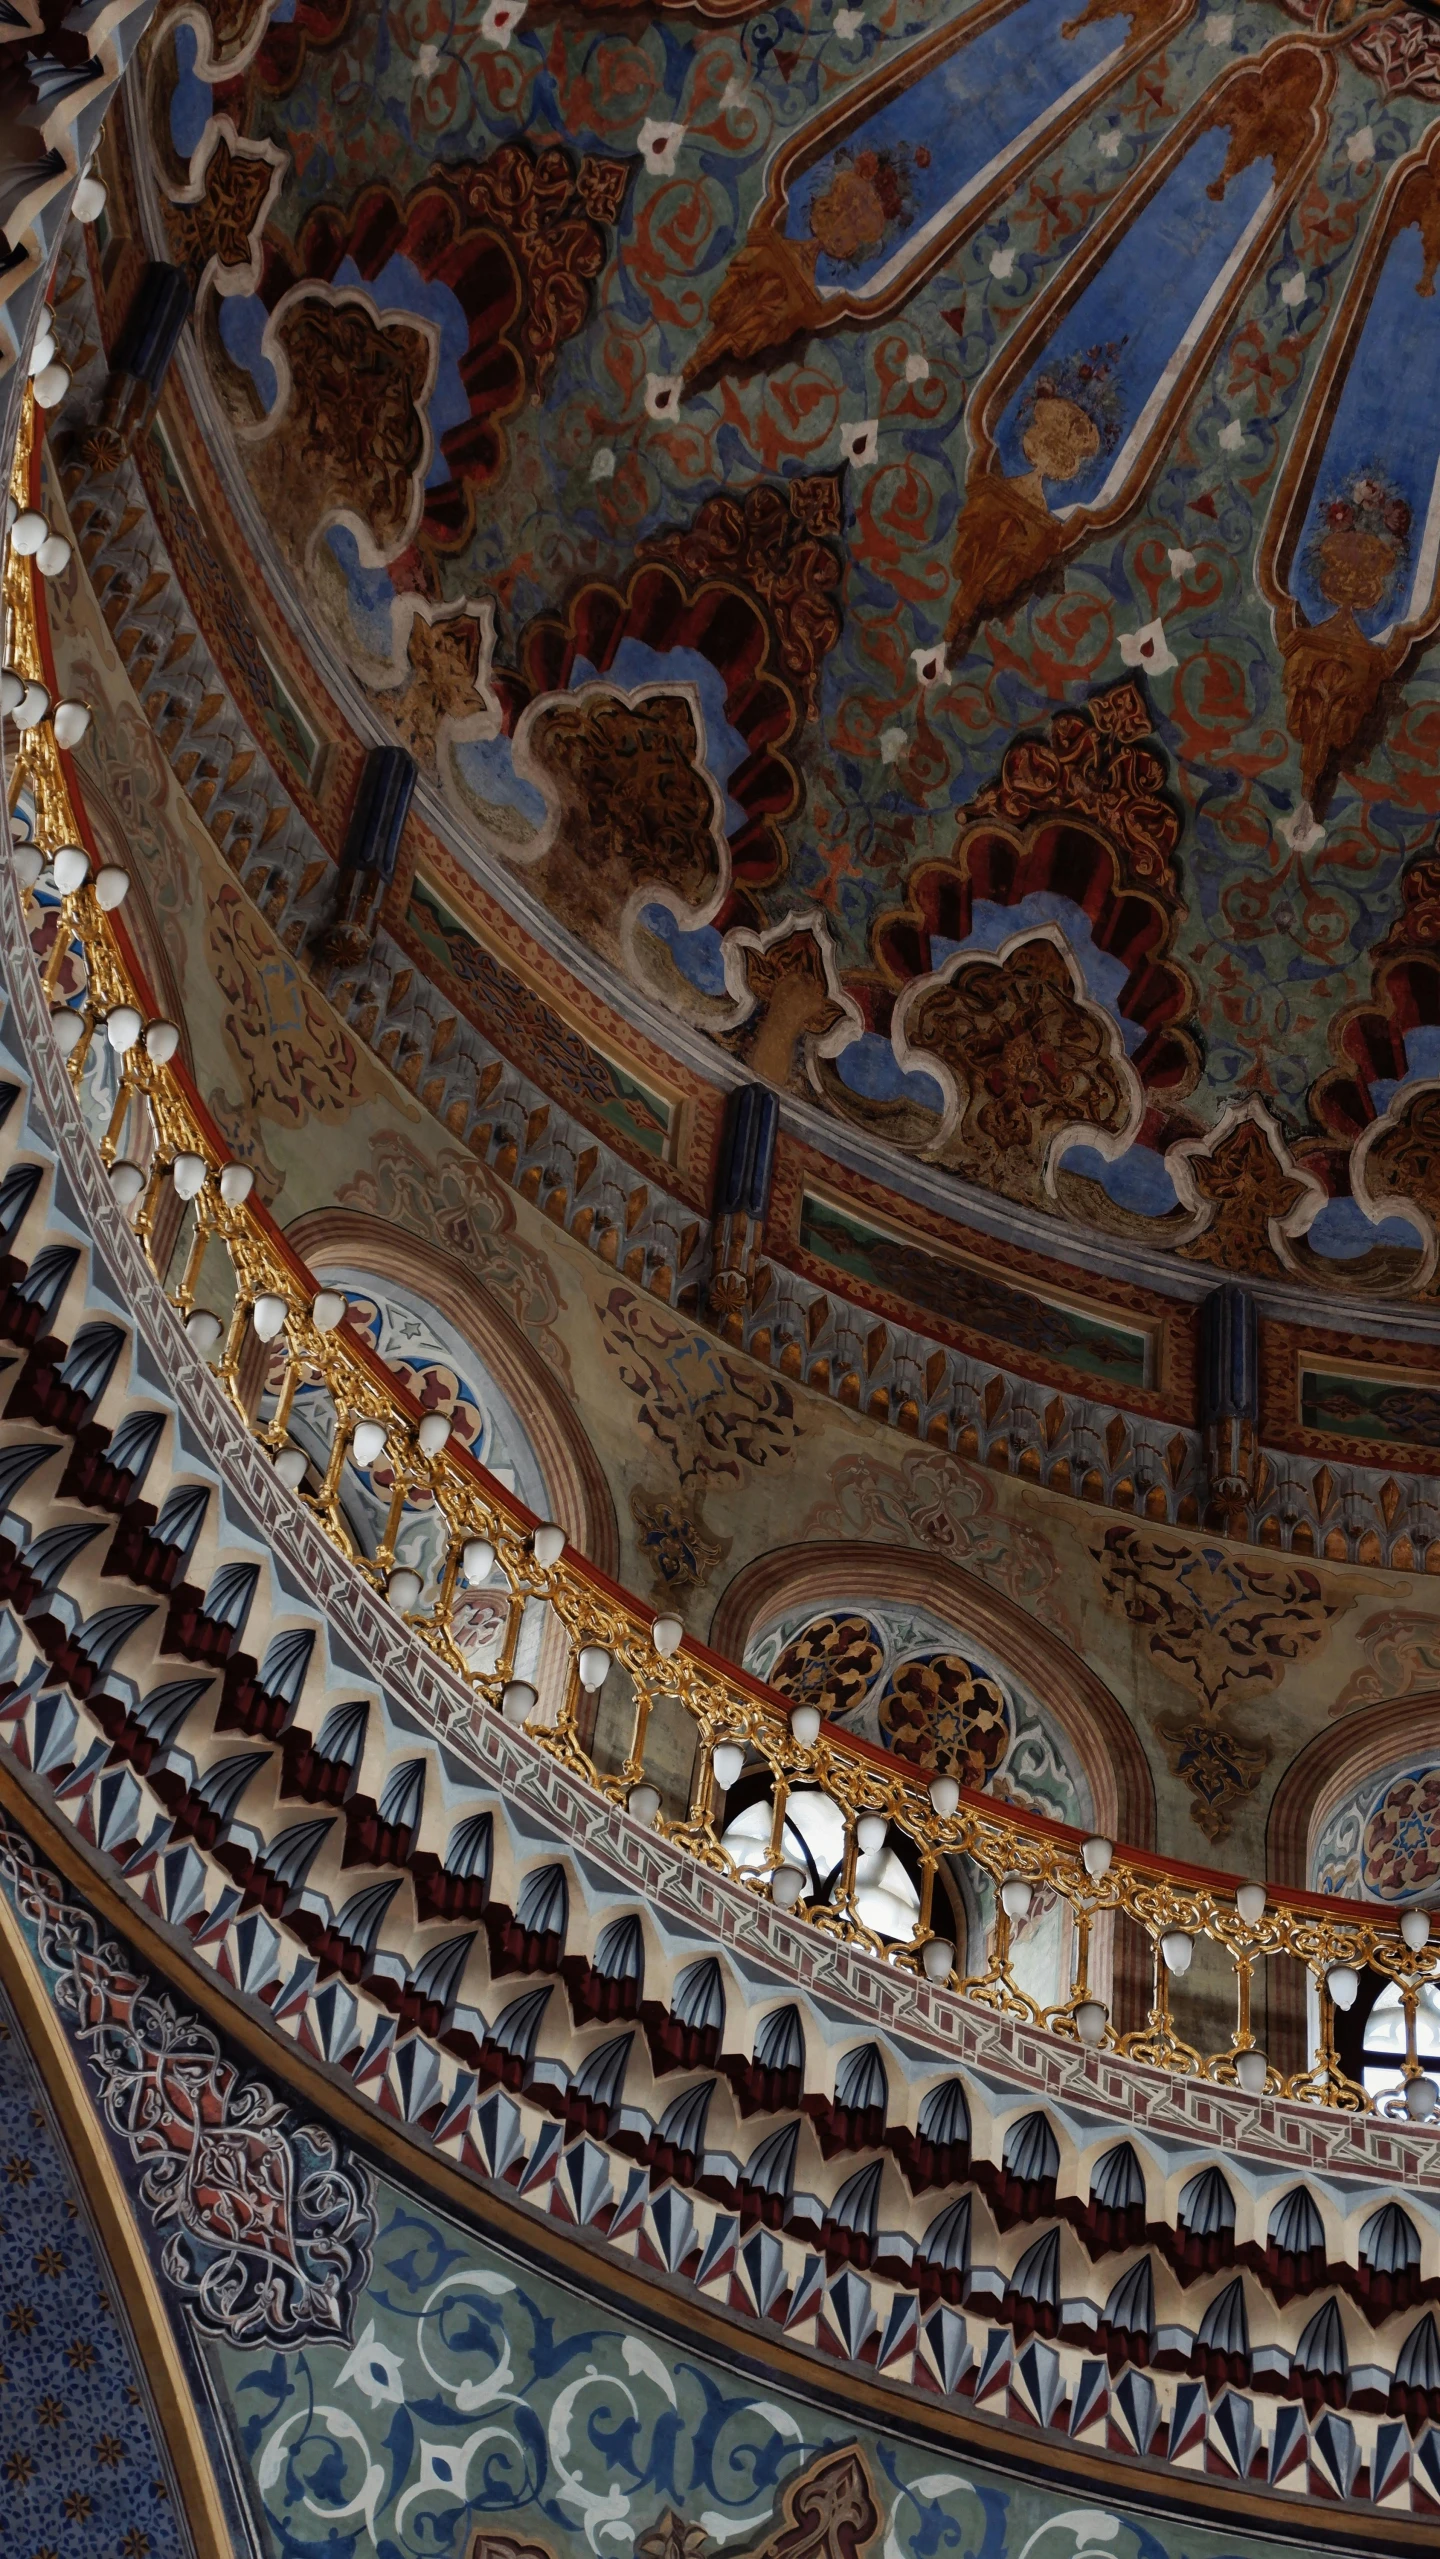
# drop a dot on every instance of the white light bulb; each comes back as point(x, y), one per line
point(1096, 1855)
point(1415, 1929)
point(1016, 1895)
point(12, 691)
point(1421, 2098)
point(43, 351)
point(518, 1699)
point(268, 1316)
point(33, 707)
point(1252, 2070)
point(27, 862)
point(291, 1465)
point(50, 385)
point(594, 1666)
point(122, 1028)
point(368, 1444)
point(68, 1027)
point(1091, 2019)
point(161, 1041)
point(667, 1635)
point(547, 1543)
point(236, 1184)
point(871, 1832)
point(126, 1181)
point(327, 1310)
point(403, 1589)
point(805, 1725)
point(786, 1886)
point(71, 721)
point(1343, 1983)
point(204, 1330)
point(727, 1759)
point(477, 1559)
point(112, 887)
point(938, 1957)
point(88, 202)
point(187, 1172)
point(643, 1803)
point(432, 1434)
point(1250, 1902)
point(70, 868)
point(53, 557)
point(27, 532)
point(1177, 1949)
point(945, 1796)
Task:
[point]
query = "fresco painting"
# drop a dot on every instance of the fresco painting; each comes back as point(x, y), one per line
point(748, 461)
point(1082, 413)
point(902, 174)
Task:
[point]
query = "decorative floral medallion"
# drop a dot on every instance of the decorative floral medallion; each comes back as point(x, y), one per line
point(944, 1714)
point(266, 2224)
point(1400, 1850)
point(830, 1664)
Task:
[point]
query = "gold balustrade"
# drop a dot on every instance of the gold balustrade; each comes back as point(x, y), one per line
point(724, 1704)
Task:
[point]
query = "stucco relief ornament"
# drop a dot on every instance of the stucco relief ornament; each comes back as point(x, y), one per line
point(1008, 536)
point(216, 220)
point(1395, 1169)
point(791, 1007)
point(1334, 674)
point(1250, 1202)
point(780, 540)
point(268, 2225)
point(1028, 1064)
point(1223, 1628)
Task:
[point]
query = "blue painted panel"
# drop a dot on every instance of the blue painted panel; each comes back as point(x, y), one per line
point(1127, 324)
point(1386, 428)
point(906, 163)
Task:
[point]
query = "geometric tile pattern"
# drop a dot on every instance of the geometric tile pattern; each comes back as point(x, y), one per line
point(83, 2469)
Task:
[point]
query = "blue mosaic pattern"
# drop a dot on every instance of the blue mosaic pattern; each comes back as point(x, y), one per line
point(83, 2474)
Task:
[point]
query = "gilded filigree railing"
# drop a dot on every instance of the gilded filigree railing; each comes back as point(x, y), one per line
point(193, 1212)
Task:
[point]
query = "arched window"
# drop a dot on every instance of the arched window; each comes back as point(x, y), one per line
point(887, 1892)
point(1382, 2037)
point(446, 1375)
point(905, 1676)
point(1382, 1841)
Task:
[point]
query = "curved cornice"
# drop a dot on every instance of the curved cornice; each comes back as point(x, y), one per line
point(654, 2297)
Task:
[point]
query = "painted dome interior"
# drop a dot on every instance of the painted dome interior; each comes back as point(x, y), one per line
point(720, 1278)
point(902, 543)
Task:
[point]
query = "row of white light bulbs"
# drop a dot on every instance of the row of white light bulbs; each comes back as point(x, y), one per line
point(70, 868)
point(1017, 1894)
point(22, 699)
point(49, 378)
point(30, 532)
point(189, 1172)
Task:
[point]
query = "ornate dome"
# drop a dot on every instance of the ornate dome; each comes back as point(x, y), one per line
point(719, 1012)
point(903, 552)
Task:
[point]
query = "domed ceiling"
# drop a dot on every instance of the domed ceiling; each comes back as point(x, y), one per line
point(908, 536)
